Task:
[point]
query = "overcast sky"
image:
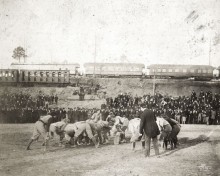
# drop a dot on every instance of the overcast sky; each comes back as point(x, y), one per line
point(144, 31)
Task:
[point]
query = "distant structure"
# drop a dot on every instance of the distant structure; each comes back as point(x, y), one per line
point(216, 72)
point(73, 68)
point(113, 69)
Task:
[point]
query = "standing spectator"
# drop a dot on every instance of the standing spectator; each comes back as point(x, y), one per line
point(213, 116)
point(199, 117)
point(52, 99)
point(47, 104)
point(208, 114)
point(63, 114)
point(149, 130)
point(204, 117)
point(218, 117)
point(59, 114)
point(56, 99)
point(74, 117)
point(69, 114)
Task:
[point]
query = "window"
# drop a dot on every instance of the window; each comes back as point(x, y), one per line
point(170, 70)
point(204, 71)
point(158, 70)
point(22, 75)
point(29, 76)
point(35, 75)
point(41, 76)
point(6, 74)
point(47, 74)
point(192, 71)
point(184, 70)
point(12, 74)
point(163, 70)
point(53, 74)
point(177, 70)
point(199, 71)
point(59, 74)
point(65, 74)
point(209, 71)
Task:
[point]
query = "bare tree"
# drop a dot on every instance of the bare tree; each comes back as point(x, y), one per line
point(18, 53)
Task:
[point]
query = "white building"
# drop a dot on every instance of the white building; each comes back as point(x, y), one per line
point(74, 67)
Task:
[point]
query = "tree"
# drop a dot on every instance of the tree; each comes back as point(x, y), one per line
point(18, 53)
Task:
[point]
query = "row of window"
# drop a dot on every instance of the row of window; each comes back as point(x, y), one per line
point(46, 80)
point(112, 68)
point(182, 70)
point(47, 74)
point(7, 74)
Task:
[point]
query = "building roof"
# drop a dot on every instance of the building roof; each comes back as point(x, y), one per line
point(44, 64)
point(182, 66)
point(45, 70)
point(114, 64)
point(5, 69)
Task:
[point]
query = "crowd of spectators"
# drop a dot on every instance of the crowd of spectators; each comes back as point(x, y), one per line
point(23, 108)
point(203, 108)
point(198, 108)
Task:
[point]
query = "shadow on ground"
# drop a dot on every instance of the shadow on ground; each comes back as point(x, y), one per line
point(186, 142)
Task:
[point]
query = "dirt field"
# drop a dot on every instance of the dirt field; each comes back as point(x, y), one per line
point(134, 86)
point(198, 154)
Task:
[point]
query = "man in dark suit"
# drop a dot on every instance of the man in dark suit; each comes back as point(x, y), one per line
point(149, 130)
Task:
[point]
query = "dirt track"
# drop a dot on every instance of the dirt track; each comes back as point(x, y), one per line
point(198, 154)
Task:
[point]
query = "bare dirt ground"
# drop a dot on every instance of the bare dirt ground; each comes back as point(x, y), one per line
point(198, 154)
point(114, 86)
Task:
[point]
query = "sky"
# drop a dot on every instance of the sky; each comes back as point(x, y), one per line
point(131, 31)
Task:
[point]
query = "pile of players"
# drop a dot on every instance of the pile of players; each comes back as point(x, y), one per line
point(100, 131)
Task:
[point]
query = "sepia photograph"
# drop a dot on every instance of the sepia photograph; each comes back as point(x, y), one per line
point(110, 88)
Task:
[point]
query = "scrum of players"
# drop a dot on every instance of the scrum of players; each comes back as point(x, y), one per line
point(99, 132)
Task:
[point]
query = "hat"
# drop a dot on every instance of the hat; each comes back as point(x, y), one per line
point(143, 105)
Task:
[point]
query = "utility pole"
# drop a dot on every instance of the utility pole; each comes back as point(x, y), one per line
point(94, 58)
point(25, 49)
point(210, 52)
point(154, 84)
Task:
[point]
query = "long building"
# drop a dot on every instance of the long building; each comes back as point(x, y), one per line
point(73, 68)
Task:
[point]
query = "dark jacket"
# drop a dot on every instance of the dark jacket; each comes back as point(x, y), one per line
point(148, 124)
